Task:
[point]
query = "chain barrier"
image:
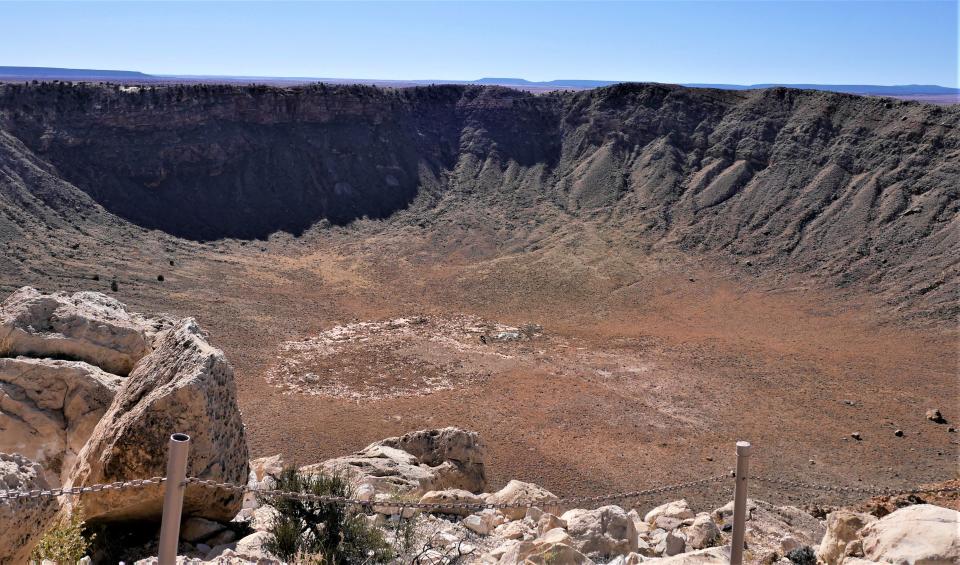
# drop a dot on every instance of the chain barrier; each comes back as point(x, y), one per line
point(875, 491)
point(119, 485)
point(400, 504)
point(570, 502)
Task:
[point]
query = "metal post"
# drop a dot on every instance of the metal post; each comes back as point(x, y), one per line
point(740, 502)
point(173, 498)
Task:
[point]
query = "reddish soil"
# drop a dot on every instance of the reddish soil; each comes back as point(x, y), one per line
point(630, 386)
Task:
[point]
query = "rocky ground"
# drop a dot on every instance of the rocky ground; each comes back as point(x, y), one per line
point(88, 388)
point(537, 527)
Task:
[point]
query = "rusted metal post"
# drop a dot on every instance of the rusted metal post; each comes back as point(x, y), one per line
point(173, 498)
point(739, 502)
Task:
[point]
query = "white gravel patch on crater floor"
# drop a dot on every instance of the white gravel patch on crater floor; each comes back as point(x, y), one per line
point(410, 356)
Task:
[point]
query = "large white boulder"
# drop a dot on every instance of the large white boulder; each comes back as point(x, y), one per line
point(22, 520)
point(85, 326)
point(184, 385)
point(415, 463)
point(843, 528)
point(604, 532)
point(49, 408)
point(521, 494)
point(921, 534)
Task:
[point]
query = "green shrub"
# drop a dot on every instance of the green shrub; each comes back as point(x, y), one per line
point(328, 533)
point(803, 556)
point(65, 543)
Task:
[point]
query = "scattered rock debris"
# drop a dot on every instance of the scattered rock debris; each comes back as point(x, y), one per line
point(402, 357)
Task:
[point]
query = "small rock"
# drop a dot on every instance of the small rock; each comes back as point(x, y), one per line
point(856, 436)
point(673, 544)
point(224, 537)
point(534, 514)
point(549, 522)
point(935, 416)
point(898, 433)
point(667, 523)
point(483, 522)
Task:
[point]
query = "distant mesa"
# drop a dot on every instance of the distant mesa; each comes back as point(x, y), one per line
point(924, 92)
point(77, 74)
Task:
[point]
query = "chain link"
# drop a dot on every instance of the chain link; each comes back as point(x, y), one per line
point(570, 502)
point(876, 491)
point(119, 485)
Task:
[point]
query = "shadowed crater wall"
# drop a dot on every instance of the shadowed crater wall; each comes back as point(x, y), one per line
point(847, 188)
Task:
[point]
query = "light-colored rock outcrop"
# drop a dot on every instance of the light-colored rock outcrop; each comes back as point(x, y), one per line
point(843, 528)
point(22, 521)
point(678, 509)
point(415, 463)
point(184, 385)
point(918, 534)
point(604, 532)
point(263, 473)
point(702, 533)
point(519, 493)
point(86, 326)
point(49, 408)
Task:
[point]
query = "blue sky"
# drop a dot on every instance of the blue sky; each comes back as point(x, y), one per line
point(844, 41)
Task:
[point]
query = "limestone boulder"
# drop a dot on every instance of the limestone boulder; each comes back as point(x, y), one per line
point(415, 463)
point(678, 510)
point(605, 532)
point(702, 533)
point(519, 493)
point(85, 326)
point(843, 528)
point(49, 408)
point(923, 533)
point(263, 474)
point(184, 385)
point(22, 520)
